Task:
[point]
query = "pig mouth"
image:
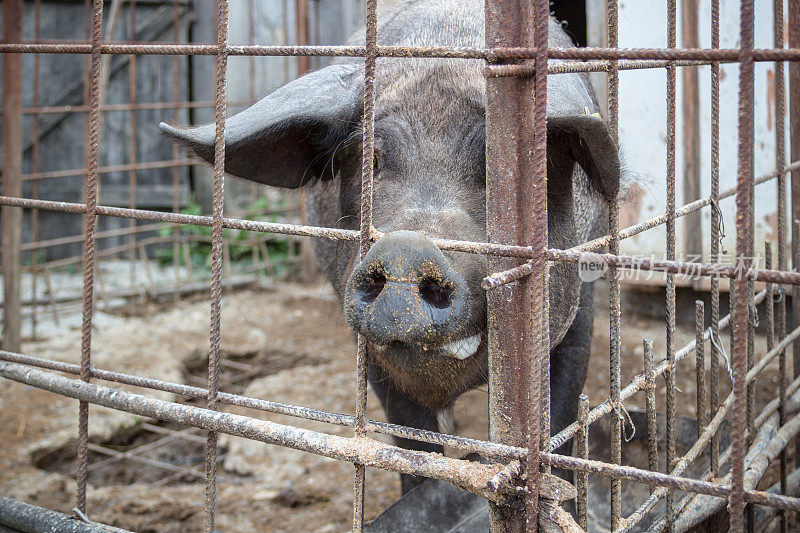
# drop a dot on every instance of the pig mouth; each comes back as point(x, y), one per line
point(460, 349)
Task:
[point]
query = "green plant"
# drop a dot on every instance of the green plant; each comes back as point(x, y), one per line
point(198, 240)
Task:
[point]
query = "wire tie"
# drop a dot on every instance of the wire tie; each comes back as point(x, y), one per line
point(715, 206)
point(623, 415)
point(752, 319)
point(780, 291)
point(83, 517)
point(714, 337)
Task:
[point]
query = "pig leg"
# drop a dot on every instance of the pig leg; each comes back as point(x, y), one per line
point(402, 410)
point(568, 364)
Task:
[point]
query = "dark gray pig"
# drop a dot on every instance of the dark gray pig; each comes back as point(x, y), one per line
point(422, 310)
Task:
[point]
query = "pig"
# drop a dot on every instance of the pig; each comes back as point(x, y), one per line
point(422, 310)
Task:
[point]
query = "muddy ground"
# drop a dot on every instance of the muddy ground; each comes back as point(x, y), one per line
point(286, 343)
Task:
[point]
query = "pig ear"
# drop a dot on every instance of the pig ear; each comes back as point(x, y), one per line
point(286, 139)
point(586, 140)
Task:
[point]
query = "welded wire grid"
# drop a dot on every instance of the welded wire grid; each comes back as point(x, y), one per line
point(516, 54)
point(137, 246)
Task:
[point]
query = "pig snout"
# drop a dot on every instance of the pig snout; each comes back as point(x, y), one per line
point(406, 292)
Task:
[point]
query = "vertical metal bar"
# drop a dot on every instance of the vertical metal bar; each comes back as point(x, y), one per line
point(12, 183)
point(216, 258)
point(307, 258)
point(367, 169)
point(613, 276)
point(37, 10)
point(544, 387)
point(583, 453)
point(316, 38)
point(132, 144)
point(176, 97)
point(652, 421)
point(769, 304)
point(539, 290)
point(744, 208)
point(716, 218)
point(692, 224)
point(251, 96)
point(285, 24)
point(700, 365)
point(516, 207)
point(751, 387)
point(92, 162)
point(301, 22)
point(670, 283)
point(793, 27)
point(251, 60)
point(780, 163)
point(187, 258)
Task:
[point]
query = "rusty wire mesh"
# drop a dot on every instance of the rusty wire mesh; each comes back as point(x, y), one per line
point(516, 71)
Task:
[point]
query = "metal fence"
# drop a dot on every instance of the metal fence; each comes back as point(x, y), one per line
point(516, 71)
point(140, 171)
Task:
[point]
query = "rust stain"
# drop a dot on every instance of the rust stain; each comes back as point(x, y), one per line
point(631, 206)
point(771, 220)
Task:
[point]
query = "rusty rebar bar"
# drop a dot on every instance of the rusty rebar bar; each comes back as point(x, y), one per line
point(365, 238)
point(716, 221)
point(637, 384)
point(669, 375)
point(700, 365)
point(491, 54)
point(650, 406)
point(92, 162)
point(37, 16)
point(744, 230)
point(215, 295)
point(615, 313)
point(12, 155)
point(488, 449)
point(487, 248)
point(582, 451)
point(780, 160)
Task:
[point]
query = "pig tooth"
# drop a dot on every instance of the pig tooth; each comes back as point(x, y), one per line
point(463, 348)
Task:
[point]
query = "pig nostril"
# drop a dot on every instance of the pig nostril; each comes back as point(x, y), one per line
point(373, 286)
point(433, 293)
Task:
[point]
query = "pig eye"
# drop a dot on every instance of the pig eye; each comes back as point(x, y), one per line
point(377, 164)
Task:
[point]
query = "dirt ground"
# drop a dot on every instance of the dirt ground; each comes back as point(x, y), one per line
point(289, 344)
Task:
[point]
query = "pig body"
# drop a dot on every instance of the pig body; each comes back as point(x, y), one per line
point(422, 310)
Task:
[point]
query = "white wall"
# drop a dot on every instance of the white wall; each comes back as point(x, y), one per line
point(642, 121)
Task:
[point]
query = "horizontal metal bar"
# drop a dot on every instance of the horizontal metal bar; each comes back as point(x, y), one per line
point(30, 518)
point(179, 218)
point(705, 270)
point(638, 383)
point(566, 67)
point(657, 478)
point(710, 430)
point(676, 267)
point(113, 168)
point(499, 278)
point(132, 106)
point(468, 475)
point(119, 232)
point(488, 449)
point(490, 54)
point(684, 210)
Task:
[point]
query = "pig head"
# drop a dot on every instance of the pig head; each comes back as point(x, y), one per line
point(422, 309)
